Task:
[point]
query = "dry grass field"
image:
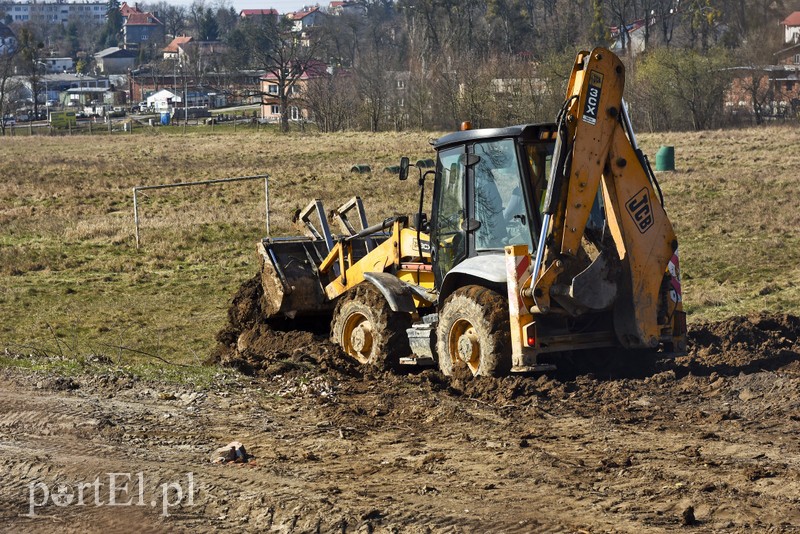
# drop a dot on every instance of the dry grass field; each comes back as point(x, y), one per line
point(706, 443)
point(73, 282)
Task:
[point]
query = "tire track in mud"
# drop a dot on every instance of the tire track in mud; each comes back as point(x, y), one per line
point(70, 457)
point(339, 449)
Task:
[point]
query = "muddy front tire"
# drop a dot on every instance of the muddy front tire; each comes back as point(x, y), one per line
point(367, 329)
point(474, 331)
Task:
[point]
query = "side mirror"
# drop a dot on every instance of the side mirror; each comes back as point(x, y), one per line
point(404, 164)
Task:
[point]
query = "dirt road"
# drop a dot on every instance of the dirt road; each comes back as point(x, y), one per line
point(706, 443)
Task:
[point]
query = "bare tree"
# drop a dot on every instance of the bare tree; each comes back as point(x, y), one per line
point(29, 59)
point(8, 86)
point(173, 17)
point(285, 56)
point(331, 100)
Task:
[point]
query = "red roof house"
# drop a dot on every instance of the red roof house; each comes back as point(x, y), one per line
point(791, 28)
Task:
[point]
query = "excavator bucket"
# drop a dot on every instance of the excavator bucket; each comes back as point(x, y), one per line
point(290, 277)
point(293, 286)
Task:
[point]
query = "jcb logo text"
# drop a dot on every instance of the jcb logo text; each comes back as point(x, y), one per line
point(640, 210)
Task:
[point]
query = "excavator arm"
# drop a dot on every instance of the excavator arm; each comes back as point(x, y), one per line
point(629, 273)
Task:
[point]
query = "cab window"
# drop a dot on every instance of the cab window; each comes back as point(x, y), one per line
point(499, 198)
point(449, 238)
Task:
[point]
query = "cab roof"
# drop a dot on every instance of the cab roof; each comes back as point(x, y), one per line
point(527, 132)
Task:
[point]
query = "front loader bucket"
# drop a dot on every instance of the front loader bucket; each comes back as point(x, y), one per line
point(290, 277)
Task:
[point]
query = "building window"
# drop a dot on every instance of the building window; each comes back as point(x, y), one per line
point(401, 84)
point(294, 113)
point(272, 89)
point(275, 110)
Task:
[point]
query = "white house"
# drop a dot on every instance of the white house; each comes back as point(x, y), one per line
point(8, 42)
point(791, 28)
point(347, 7)
point(58, 64)
point(163, 100)
point(308, 16)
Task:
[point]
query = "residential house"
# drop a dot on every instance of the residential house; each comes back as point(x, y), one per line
point(774, 88)
point(305, 18)
point(791, 28)
point(54, 11)
point(140, 29)
point(234, 87)
point(196, 97)
point(126, 10)
point(58, 64)
point(270, 100)
point(260, 15)
point(207, 55)
point(175, 49)
point(8, 41)
point(630, 41)
point(347, 7)
point(115, 60)
point(163, 100)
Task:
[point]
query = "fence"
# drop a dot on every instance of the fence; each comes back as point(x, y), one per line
point(128, 126)
point(136, 190)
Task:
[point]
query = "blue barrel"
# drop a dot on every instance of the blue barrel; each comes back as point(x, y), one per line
point(665, 158)
point(165, 118)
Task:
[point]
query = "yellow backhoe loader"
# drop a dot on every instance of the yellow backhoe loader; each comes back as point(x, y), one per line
point(544, 239)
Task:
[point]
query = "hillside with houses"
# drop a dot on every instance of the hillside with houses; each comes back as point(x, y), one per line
point(386, 65)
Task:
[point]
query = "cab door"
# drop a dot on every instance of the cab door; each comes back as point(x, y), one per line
point(448, 237)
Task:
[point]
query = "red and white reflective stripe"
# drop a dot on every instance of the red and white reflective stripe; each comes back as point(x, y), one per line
point(522, 268)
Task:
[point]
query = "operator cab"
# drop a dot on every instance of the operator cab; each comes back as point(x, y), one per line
point(488, 190)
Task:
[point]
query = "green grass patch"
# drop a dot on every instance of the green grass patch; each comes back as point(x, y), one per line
point(72, 282)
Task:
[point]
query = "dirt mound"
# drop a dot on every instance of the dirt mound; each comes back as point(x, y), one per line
point(746, 344)
point(256, 346)
point(273, 347)
point(245, 308)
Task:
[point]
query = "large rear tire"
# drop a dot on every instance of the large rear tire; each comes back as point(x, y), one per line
point(367, 329)
point(474, 331)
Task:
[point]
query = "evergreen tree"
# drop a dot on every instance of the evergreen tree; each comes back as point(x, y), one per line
point(113, 27)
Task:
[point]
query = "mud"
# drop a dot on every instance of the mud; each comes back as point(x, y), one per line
point(703, 443)
point(275, 347)
point(767, 342)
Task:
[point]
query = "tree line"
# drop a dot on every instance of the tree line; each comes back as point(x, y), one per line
point(430, 64)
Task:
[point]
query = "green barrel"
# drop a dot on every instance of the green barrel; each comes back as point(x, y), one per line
point(665, 158)
point(360, 168)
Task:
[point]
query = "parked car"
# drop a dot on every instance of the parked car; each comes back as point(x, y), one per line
point(9, 120)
